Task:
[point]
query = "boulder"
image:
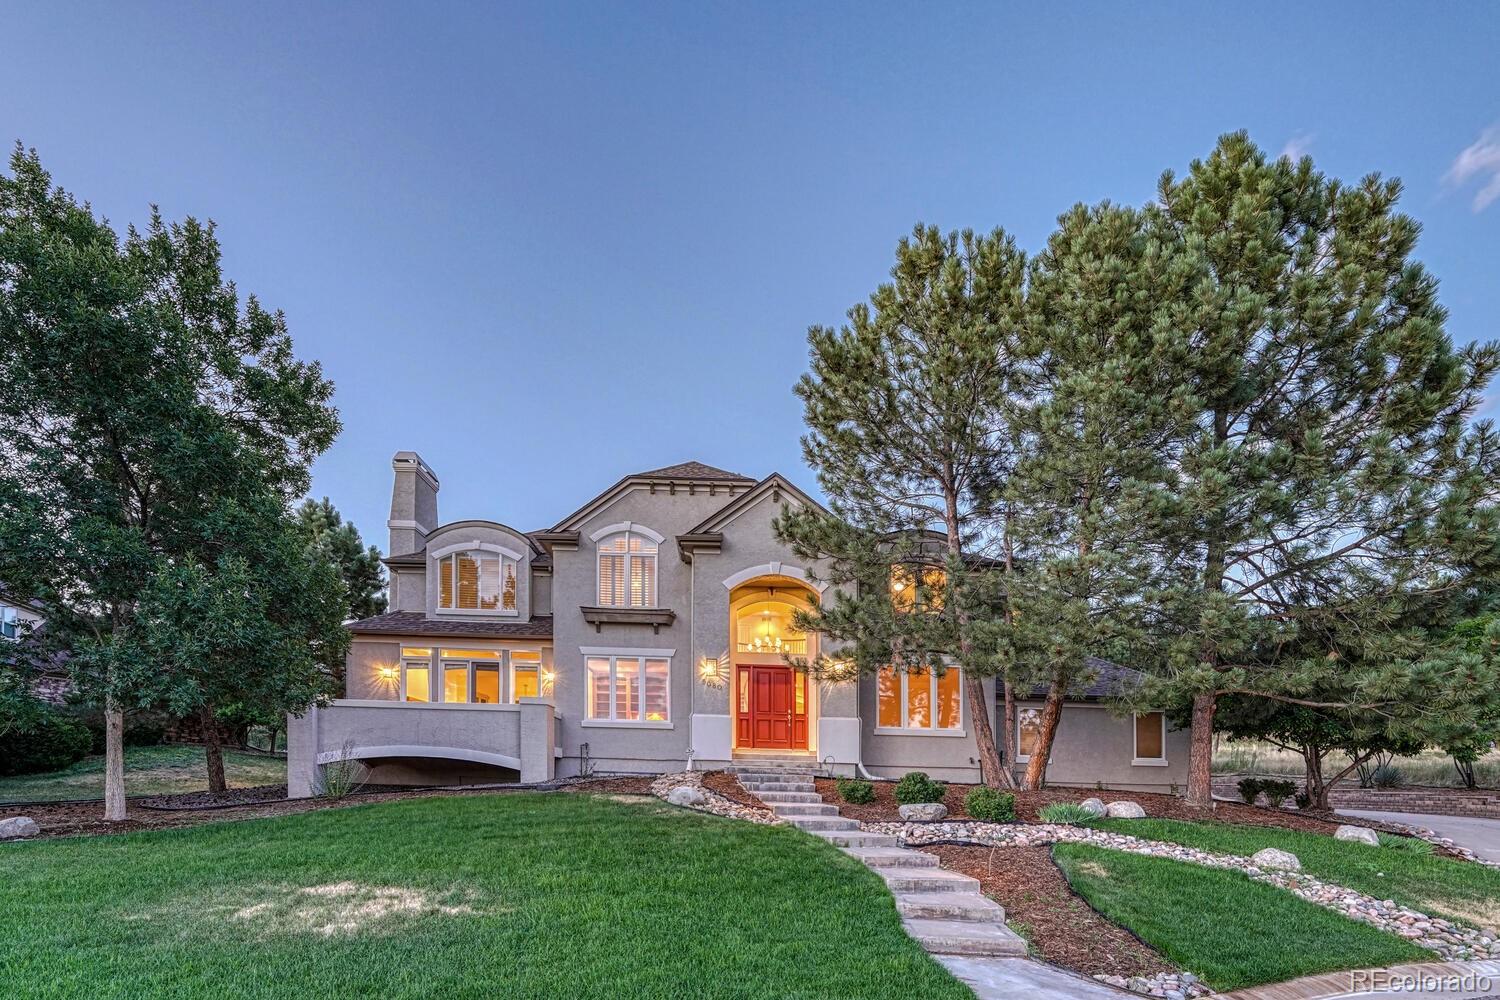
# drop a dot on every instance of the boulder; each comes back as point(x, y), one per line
point(1095, 806)
point(1273, 857)
point(1358, 834)
point(687, 795)
point(923, 812)
point(1124, 809)
point(15, 827)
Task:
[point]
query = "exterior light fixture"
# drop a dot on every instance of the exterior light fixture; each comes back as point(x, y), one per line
point(388, 673)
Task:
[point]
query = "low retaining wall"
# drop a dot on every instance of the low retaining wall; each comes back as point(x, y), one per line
point(1431, 799)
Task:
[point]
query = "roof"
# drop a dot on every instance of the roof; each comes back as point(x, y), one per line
point(415, 623)
point(774, 482)
point(1110, 680)
point(691, 470)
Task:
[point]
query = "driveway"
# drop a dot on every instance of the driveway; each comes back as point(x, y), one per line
point(1482, 836)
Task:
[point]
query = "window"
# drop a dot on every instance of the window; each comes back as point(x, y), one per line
point(627, 570)
point(416, 682)
point(1028, 731)
point(768, 626)
point(477, 580)
point(628, 689)
point(919, 699)
point(907, 595)
point(525, 675)
point(9, 622)
point(1150, 739)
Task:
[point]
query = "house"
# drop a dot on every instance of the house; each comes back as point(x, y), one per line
point(647, 631)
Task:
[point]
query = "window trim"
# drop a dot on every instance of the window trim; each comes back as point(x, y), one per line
point(1023, 758)
point(613, 655)
point(409, 662)
point(506, 555)
point(933, 730)
point(1135, 722)
point(627, 528)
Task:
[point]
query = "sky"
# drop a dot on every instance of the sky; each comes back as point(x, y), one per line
point(548, 245)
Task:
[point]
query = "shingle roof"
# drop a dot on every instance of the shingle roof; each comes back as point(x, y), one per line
point(691, 470)
point(416, 623)
point(1110, 679)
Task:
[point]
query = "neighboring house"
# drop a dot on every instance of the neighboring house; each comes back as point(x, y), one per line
point(17, 617)
point(644, 632)
point(21, 621)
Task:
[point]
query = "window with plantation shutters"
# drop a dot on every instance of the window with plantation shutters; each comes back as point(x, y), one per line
point(477, 580)
point(627, 571)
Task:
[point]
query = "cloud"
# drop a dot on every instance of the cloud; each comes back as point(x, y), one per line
point(1481, 160)
point(1298, 145)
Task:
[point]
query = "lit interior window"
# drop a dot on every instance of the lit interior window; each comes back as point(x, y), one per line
point(1028, 731)
point(919, 698)
point(417, 682)
point(526, 674)
point(476, 581)
point(629, 689)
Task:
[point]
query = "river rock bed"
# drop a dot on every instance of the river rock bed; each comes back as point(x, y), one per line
point(712, 801)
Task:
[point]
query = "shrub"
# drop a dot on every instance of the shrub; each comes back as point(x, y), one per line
point(54, 742)
point(856, 791)
point(918, 787)
point(1304, 800)
point(1070, 813)
point(1250, 789)
point(991, 806)
point(1408, 845)
point(1387, 776)
point(1278, 790)
point(345, 775)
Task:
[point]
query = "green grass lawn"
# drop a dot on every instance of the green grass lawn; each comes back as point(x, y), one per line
point(1222, 926)
point(1440, 886)
point(160, 770)
point(515, 895)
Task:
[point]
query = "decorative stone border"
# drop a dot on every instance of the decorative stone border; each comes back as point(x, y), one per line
point(1438, 840)
point(712, 801)
point(1453, 942)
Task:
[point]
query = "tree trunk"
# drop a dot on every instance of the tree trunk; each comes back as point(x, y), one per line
point(1008, 728)
point(1200, 790)
point(213, 749)
point(1036, 767)
point(114, 761)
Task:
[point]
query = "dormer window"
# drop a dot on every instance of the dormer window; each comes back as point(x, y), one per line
point(477, 578)
point(627, 566)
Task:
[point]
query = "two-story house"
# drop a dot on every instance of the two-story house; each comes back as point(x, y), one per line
point(648, 631)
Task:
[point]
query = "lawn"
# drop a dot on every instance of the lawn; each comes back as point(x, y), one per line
point(1440, 886)
point(513, 895)
point(1222, 926)
point(159, 770)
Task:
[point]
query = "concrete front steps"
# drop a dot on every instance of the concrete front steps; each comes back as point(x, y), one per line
point(944, 911)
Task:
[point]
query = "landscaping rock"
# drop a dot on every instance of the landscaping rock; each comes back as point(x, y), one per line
point(690, 796)
point(16, 827)
point(923, 812)
point(1095, 806)
point(1124, 809)
point(1272, 857)
point(1358, 834)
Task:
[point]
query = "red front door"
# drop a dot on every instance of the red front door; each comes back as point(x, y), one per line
point(772, 708)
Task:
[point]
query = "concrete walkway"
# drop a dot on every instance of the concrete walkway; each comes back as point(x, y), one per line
point(1022, 979)
point(1482, 836)
point(1452, 980)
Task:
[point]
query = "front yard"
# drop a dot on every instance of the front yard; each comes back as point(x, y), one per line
point(515, 895)
point(153, 770)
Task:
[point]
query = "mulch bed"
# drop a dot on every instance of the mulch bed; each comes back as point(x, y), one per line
point(729, 786)
point(213, 800)
point(1061, 927)
point(624, 785)
point(883, 809)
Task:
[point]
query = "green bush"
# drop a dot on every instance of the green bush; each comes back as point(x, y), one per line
point(1408, 845)
point(1387, 776)
point(918, 787)
point(1278, 790)
point(54, 742)
point(856, 791)
point(991, 806)
point(1250, 789)
point(1070, 813)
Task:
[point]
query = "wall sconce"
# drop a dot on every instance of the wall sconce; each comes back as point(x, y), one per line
point(389, 673)
point(710, 671)
point(548, 677)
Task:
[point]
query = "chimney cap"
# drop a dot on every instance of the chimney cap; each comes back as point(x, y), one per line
point(410, 461)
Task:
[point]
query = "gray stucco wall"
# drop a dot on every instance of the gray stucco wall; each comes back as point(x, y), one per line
point(1094, 749)
point(942, 755)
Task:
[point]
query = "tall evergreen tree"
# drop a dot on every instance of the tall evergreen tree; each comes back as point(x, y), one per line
point(1331, 481)
point(903, 410)
point(142, 408)
point(338, 542)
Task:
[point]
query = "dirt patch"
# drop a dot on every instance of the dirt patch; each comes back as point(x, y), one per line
point(1061, 927)
point(335, 909)
point(624, 785)
point(729, 786)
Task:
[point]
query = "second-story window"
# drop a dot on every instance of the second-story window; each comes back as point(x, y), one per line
point(477, 580)
point(9, 622)
point(627, 570)
point(918, 587)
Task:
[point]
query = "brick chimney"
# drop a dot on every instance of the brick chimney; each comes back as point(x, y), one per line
point(414, 511)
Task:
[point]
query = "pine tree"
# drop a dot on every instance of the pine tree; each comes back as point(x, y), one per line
point(1331, 482)
point(339, 542)
point(905, 431)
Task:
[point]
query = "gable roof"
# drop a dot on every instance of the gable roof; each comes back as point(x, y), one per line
point(693, 475)
point(775, 484)
point(691, 470)
point(1110, 680)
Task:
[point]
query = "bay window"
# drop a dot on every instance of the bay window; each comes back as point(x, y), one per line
point(628, 688)
point(919, 699)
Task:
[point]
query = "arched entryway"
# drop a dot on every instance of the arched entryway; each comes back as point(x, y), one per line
point(773, 701)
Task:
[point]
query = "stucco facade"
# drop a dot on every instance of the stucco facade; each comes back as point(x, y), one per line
point(633, 636)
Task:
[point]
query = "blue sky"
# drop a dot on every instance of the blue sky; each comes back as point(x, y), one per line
point(547, 245)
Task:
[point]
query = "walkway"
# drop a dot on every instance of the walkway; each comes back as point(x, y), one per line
point(1482, 836)
point(1452, 980)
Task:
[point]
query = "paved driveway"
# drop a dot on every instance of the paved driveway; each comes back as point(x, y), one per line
point(1482, 836)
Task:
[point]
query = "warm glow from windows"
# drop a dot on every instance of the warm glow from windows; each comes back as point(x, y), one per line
point(417, 683)
point(526, 675)
point(476, 581)
point(627, 571)
point(472, 654)
point(416, 651)
point(628, 689)
point(767, 627)
point(455, 682)
point(1028, 731)
point(487, 683)
point(904, 590)
point(906, 699)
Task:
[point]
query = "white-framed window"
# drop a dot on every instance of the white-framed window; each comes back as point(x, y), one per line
point(628, 687)
point(416, 673)
point(920, 700)
point(1028, 732)
point(1150, 739)
point(9, 622)
point(627, 566)
point(477, 577)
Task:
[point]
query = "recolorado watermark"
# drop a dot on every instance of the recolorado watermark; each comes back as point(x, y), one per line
point(1392, 981)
